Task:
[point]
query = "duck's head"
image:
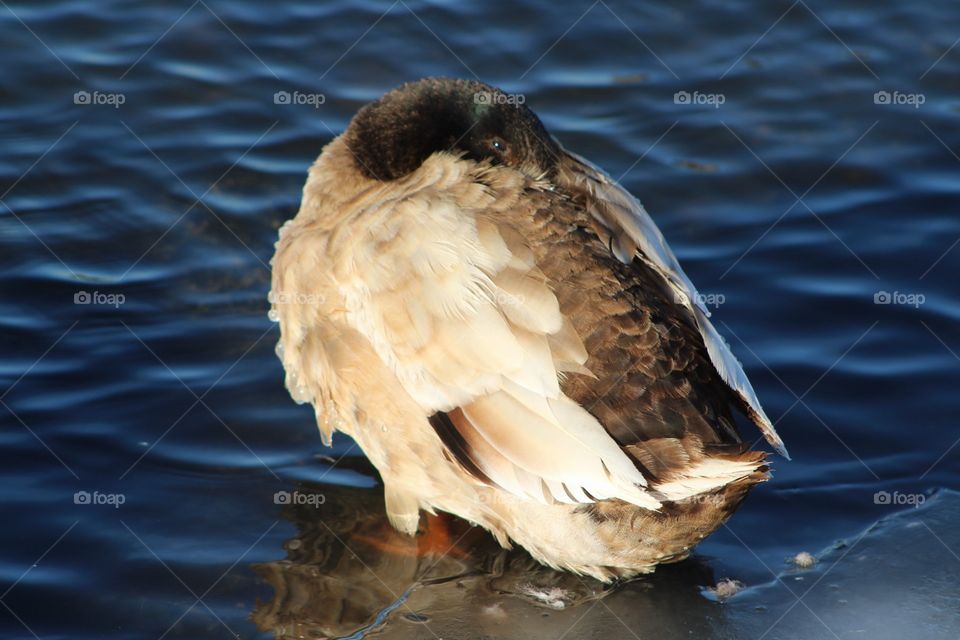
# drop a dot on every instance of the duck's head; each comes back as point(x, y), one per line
point(391, 137)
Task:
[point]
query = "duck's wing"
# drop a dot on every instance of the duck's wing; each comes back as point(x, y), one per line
point(633, 235)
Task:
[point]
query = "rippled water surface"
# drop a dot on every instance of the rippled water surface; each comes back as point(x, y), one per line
point(145, 427)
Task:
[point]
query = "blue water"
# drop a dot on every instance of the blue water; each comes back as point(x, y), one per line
point(164, 393)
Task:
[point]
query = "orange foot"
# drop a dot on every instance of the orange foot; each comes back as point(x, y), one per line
point(439, 535)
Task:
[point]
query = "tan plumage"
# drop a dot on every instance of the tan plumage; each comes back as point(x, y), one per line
point(506, 335)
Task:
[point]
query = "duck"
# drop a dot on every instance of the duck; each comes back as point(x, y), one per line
point(503, 330)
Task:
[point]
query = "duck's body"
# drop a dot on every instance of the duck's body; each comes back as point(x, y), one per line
point(506, 335)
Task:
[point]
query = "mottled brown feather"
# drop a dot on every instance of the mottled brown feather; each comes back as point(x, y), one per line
point(652, 386)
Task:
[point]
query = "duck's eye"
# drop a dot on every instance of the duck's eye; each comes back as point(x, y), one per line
point(498, 145)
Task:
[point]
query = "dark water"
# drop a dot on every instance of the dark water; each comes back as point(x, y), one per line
point(795, 202)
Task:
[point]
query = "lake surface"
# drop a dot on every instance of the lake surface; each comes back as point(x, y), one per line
point(802, 160)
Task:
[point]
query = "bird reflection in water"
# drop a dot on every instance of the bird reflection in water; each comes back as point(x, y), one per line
point(348, 571)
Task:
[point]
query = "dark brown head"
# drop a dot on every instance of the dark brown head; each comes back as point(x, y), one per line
point(391, 137)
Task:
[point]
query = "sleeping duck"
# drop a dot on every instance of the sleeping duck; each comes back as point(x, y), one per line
point(503, 330)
